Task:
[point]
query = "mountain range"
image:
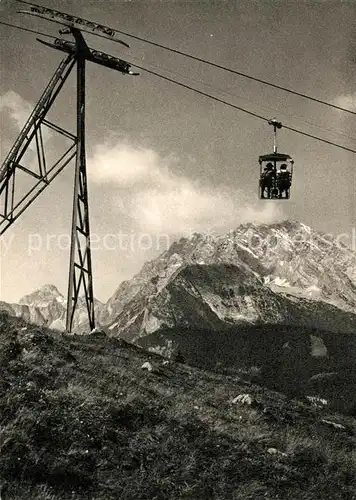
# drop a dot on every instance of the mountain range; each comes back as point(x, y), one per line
point(283, 273)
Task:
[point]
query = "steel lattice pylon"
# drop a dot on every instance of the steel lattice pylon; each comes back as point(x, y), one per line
point(12, 205)
point(80, 267)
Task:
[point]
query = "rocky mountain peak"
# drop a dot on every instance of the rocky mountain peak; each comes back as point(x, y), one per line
point(47, 306)
point(287, 258)
point(43, 296)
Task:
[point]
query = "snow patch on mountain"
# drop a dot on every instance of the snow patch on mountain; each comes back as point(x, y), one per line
point(282, 282)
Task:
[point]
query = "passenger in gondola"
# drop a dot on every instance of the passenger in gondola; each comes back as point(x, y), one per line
point(283, 181)
point(266, 181)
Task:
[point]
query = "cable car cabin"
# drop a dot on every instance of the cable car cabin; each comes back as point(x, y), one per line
point(276, 172)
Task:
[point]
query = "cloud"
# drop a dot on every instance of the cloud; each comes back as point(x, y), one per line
point(161, 201)
point(19, 111)
point(18, 108)
point(124, 166)
point(347, 101)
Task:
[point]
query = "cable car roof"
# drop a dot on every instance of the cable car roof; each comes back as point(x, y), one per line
point(275, 157)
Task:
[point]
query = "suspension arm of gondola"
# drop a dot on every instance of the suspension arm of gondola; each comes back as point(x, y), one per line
point(276, 125)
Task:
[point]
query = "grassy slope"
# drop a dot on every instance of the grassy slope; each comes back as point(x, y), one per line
point(289, 370)
point(80, 419)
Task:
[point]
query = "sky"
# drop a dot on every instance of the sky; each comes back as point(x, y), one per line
point(164, 162)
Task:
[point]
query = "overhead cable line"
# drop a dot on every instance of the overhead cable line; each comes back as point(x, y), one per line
point(242, 109)
point(239, 73)
point(27, 29)
point(202, 83)
point(195, 58)
point(222, 91)
point(205, 94)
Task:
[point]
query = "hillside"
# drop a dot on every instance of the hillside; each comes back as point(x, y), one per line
point(297, 361)
point(81, 419)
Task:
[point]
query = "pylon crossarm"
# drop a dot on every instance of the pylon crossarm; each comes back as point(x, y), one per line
point(92, 55)
point(68, 20)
